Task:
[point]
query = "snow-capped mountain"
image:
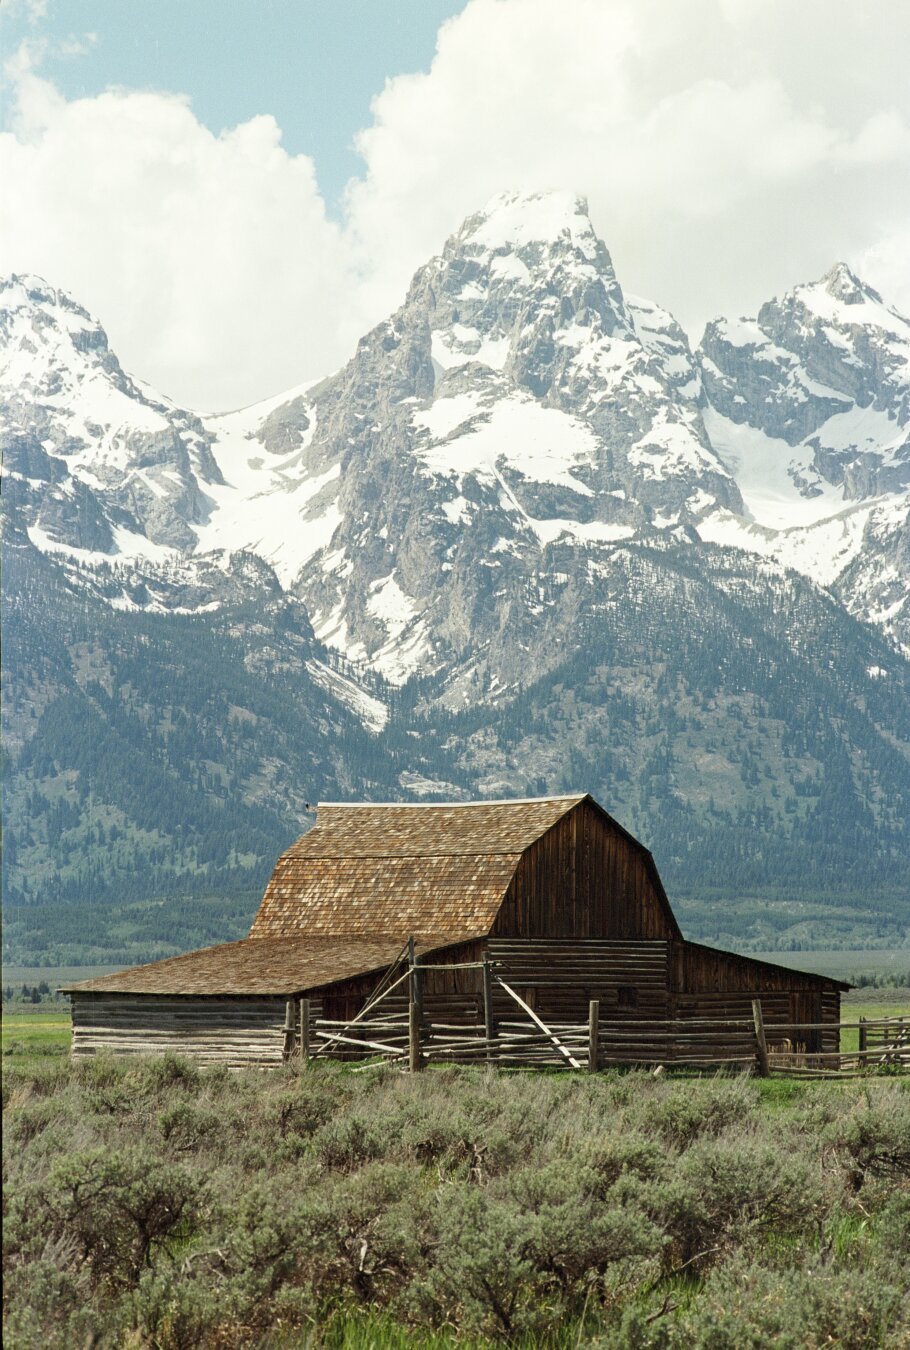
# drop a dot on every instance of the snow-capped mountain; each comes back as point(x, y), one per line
point(809, 406)
point(518, 398)
point(524, 539)
point(111, 468)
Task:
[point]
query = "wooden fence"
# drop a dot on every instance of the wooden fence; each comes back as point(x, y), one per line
point(384, 1032)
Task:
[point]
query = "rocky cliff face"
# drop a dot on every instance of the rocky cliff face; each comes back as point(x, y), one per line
point(516, 399)
point(525, 539)
point(95, 460)
point(825, 369)
point(809, 404)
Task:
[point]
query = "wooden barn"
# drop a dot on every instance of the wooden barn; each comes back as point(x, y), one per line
point(552, 894)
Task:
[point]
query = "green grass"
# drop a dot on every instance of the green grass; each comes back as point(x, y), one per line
point(852, 1012)
point(29, 1036)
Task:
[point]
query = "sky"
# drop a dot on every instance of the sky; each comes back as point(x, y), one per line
point(238, 189)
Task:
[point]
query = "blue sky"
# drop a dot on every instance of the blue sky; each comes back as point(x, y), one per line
point(314, 64)
point(187, 168)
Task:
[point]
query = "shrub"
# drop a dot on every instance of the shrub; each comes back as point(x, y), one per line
point(684, 1115)
point(874, 1138)
point(151, 1204)
point(47, 1308)
point(482, 1279)
point(723, 1191)
point(174, 1310)
point(744, 1305)
point(347, 1142)
point(119, 1208)
point(187, 1128)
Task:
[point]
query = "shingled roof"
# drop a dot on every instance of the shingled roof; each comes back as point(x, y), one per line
point(404, 869)
point(344, 897)
point(257, 966)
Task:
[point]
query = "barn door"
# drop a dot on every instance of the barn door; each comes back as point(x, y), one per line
point(806, 1006)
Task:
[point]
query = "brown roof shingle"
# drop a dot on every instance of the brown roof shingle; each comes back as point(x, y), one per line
point(350, 896)
point(397, 830)
point(403, 869)
point(345, 896)
point(258, 966)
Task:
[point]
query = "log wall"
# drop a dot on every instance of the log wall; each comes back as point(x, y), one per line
point(558, 978)
point(236, 1032)
point(711, 983)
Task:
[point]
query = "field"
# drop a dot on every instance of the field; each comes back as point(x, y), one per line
point(849, 964)
point(150, 1204)
point(53, 975)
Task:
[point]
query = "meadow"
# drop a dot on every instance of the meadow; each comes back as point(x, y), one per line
point(151, 1204)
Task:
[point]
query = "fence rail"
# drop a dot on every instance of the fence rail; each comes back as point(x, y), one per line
point(403, 1033)
point(697, 1043)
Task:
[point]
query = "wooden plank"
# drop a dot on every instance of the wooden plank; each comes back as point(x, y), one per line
point(366, 1008)
point(593, 1033)
point(761, 1045)
point(521, 1003)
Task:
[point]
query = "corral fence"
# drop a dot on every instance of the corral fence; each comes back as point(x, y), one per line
point(382, 1033)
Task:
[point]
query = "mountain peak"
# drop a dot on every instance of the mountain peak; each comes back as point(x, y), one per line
point(513, 220)
point(26, 290)
point(843, 284)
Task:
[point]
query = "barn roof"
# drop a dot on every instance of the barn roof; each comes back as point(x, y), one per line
point(429, 829)
point(404, 869)
point(280, 966)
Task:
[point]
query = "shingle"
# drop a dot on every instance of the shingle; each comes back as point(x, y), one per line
point(345, 896)
point(360, 830)
point(259, 966)
point(342, 896)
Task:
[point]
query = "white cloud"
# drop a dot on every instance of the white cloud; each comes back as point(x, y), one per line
point(885, 265)
point(208, 258)
point(728, 148)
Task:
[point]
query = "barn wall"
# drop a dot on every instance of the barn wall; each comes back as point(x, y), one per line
point(231, 1031)
point(558, 978)
point(584, 878)
point(708, 983)
point(447, 994)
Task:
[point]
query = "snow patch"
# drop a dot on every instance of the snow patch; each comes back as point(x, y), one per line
point(761, 466)
point(443, 416)
point(371, 711)
point(543, 444)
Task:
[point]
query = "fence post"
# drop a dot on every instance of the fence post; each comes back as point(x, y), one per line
point(414, 1062)
point(304, 1032)
point(415, 1010)
point(288, 1029)
point(489, 1029)
point(761, 1045)
point(593, 1033)
point(863, 1035)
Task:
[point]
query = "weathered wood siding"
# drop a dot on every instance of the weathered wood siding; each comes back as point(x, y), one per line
point(559, 977)
point(710, 983)
point(231, 1031)
point(585, 878)
point(447, 994)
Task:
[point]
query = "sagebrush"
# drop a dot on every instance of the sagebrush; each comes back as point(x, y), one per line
point(151, 1204)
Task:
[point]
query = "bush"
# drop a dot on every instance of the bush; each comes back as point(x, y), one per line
point(153, 1204)
point(745, 1306)
point(874, 1137)
point(117, 1209)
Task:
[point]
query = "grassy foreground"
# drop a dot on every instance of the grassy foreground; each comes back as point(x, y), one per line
point(150, 1204)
